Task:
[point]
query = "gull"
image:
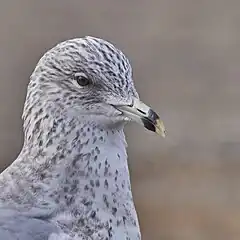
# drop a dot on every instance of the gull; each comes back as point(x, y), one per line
point(71, 179)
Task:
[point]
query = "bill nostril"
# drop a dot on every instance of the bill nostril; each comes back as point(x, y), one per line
point(141, 111)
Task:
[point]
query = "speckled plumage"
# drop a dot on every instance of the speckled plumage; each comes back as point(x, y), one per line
point(71, 178)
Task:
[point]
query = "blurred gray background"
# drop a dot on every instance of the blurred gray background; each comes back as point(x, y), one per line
point(186, 56)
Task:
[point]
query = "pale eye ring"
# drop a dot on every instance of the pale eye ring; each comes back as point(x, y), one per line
point(81, 80)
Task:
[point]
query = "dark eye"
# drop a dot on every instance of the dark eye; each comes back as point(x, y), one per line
point(82, 80)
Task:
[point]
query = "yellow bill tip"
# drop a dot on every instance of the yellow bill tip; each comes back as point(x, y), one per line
point(160, 129)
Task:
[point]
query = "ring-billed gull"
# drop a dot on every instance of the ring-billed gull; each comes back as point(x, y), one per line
point(71, 179)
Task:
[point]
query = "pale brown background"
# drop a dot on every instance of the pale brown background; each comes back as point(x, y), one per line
point(186, 57)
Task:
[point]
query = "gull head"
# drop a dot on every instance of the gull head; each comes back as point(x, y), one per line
point(90, 79)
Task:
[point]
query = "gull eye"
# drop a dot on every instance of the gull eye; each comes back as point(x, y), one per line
point(81, 79)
